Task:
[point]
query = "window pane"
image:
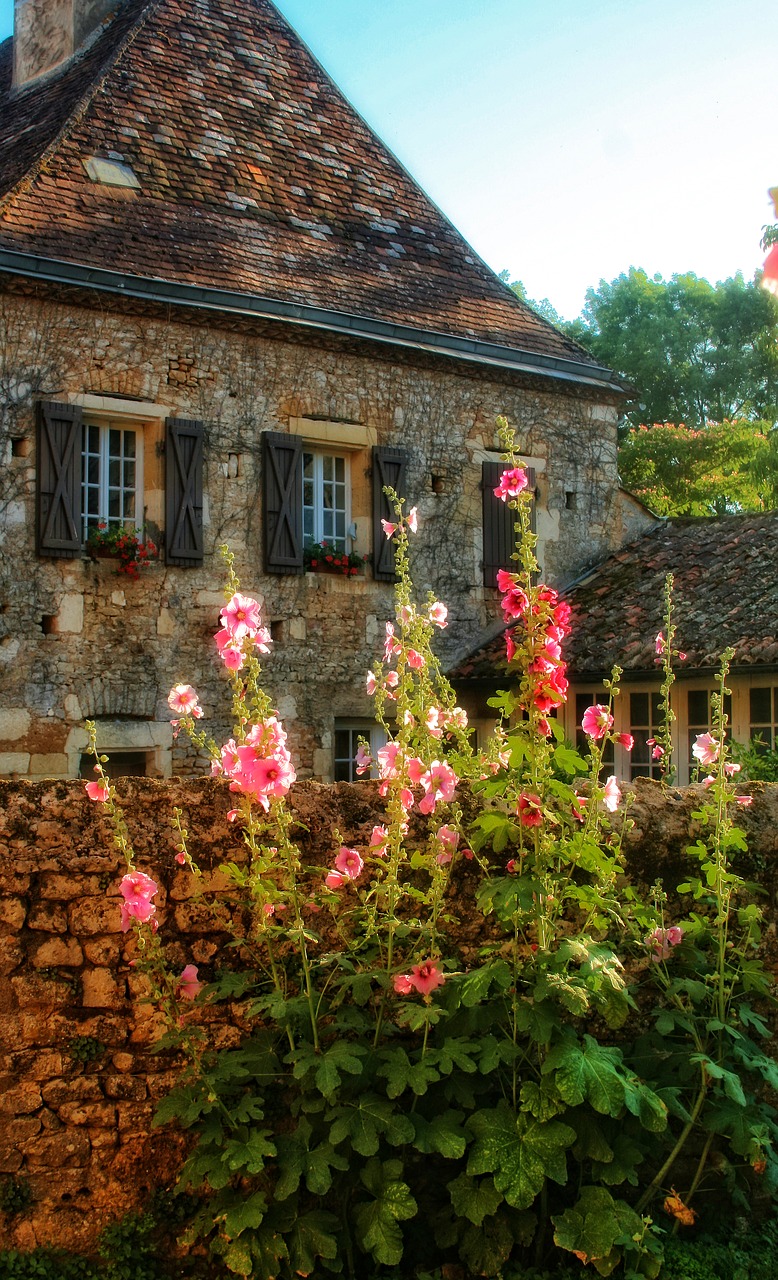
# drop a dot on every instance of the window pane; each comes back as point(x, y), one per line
point(638, 709)
point(761, 708)
point(698, 707)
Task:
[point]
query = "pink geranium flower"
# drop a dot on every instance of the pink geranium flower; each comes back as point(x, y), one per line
point(241, 616)
point(706, 749)
point(596, 721)
point(512, 482)
point(612, 795)
point(188, 986)
point(183, 700)
point(98, 790)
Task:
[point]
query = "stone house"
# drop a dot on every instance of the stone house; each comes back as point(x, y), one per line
point(725, 596)
point(229, 315)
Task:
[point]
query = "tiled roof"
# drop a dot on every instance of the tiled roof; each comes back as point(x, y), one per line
point(725, 595)
point(255, 174)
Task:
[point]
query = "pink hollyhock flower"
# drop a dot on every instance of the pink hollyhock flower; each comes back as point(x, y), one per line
point(413, 520)
point(334, 880)
point(183, 700)
point(391, 679)
point(379, 837)
point(426, 977)
point(363, 759)
point(433, 721)
point(543, 727)
point(659, 643)
point(438, 614)
point(390, 646)
point(230, 650)
point(612, 795)
point(456, 718)
point(511, 484)
point(140, 910)
point(439, 783)
point(416, 660)
point(188, 986)
point(662, 941)
point(449, 839)
point(402, 984)
point(136, 886)
point(745, 801)
point(511, 866)
point(370, 684)
point(97, 790)
point(625, 740)
point(731, 769)
point(529, 810)
point(596, 721)
point(388, 527)
point(241, 616)
point(514, 603)
point(681, 657)
point(578, 810)
point(506, 580)
point(388, 764)
point(262, 640)
point(406, 613)
point(705, 749)
point(349, 863)
point(407, 799)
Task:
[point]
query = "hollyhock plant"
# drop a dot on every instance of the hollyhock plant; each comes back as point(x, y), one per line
point(184, 701)
point(188, 985)
point(706, 749)
point(596, 722)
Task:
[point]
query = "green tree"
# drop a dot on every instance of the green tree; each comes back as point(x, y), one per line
point(694, 352)
point(544, 308)
point(679, 470)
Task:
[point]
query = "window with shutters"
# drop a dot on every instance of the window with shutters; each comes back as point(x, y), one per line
point(348, 734)
point(111, 476)
point(317, 489)
point(97, 464)
point(499, 522)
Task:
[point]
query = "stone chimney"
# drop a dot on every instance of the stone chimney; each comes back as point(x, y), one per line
point(48, 32)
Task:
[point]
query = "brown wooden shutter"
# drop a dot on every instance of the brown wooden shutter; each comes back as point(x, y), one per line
point(283, 486)
point(389, 467)
point(184, 493)
point(58, 491)
point(499, 521)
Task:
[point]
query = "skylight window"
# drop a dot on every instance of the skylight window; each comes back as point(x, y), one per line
point(110, 173)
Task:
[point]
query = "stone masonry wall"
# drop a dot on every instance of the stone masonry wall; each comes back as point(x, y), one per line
point(76, 640)
point(80, 1130)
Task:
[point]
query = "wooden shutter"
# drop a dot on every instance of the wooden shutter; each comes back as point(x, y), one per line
point(499, 521)
point(388, 470)
point(184, 493)
point(283, 488)
point(58, 492)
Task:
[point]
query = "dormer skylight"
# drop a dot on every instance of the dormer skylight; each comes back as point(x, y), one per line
point(110, 173)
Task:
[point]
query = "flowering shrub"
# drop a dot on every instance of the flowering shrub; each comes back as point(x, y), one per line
point(133, 552)
point(409, 1092)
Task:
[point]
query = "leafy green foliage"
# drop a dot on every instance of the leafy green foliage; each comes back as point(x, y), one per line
point(15, 1194)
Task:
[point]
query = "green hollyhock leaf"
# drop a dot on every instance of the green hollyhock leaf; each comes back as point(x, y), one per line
point(244, 1214)
point(622, 1166)
point(237, 1256)
point(364, 1119)
point(400, 1073)
point(376, 1222)
point(310, 1238)
point(443, 1134)
point(519, 1151)
point(455, 1052)
point(248, 1154)
point(588, 1072)
point(475, 986)
point(541, 1099)
point(649, 1108)
point(340, 1057)
point(594, 1226)
point(569, 761)
point(486, 1251)
point(474, 1200)
point(590, 1141)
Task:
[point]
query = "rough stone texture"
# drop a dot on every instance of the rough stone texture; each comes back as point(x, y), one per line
point(136, 639)
point(82, 1131)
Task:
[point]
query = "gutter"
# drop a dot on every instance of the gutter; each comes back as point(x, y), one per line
point(172, 293)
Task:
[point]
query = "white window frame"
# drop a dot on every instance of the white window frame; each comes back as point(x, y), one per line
point(318, 509)
point(105, 427)
point(367, 729)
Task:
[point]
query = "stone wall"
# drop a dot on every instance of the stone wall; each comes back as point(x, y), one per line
point(80, 1130)
point(77, 640)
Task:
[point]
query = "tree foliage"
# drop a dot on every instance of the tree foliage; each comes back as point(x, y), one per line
point(695, 353)
point(714, 470)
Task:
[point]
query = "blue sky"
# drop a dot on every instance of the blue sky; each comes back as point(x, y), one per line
point(569, 141)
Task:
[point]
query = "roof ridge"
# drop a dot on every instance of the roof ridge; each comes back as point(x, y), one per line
point(75, 116)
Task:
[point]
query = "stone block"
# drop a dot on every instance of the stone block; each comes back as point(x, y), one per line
point(50, 765)
point(123, 1061)
point(68, 1149)
point(36, 989)
point(12, 762)
point(58, 952)
point(70, 615)
point(102, 951)
point(64, 887)
point(126, 1088)
point(101, 1115)
point(79, 1089)
point(12, 912)
point(22, 1099)
point(100, 990)
point(49, 917)
point(166, 623)
point(95, 915)
point(14, 724)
